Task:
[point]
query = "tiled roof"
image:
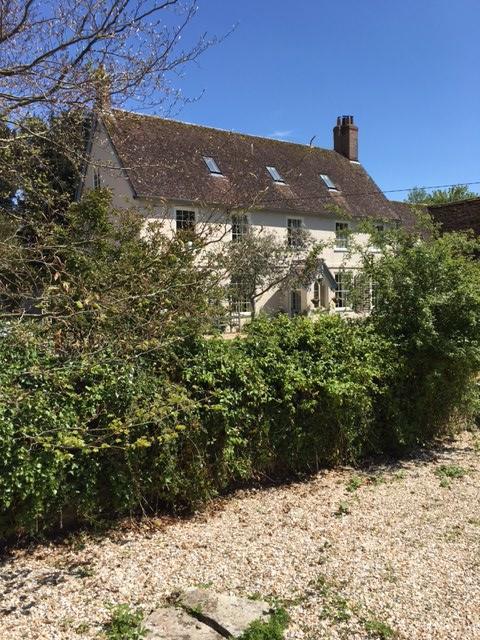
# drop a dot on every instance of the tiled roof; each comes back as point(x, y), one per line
point(458, 216)
point(163, 158)
point(406, 213)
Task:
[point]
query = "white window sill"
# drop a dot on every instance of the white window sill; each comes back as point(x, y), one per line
point(341, 249)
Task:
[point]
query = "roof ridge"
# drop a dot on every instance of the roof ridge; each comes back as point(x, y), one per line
point(454, 202)
point(237, 133)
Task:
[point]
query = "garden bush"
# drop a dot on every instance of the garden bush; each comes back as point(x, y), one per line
point(90, 434)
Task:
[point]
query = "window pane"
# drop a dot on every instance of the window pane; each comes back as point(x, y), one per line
point(295, 302)
point(239, 227)
point(275, 174)
point(185, 220)
point(341, 294)
point(212, 165)
point(294, 233)
point(328, 182)
point(341, 232)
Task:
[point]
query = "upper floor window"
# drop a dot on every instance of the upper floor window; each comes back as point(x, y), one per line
point(341, 235)
point(212, 165)
point(239, 227)
point(275, 174)
point(377, 233)
point(328, 181)
point(97, 178)
point(294, 233)
point(185, 220)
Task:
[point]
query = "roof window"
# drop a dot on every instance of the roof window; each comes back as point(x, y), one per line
point(212, 165)
point(275, 175)
point(328, 182)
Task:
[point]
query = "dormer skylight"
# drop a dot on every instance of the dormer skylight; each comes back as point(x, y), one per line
point(275, 175)
point(212, 165)
point(328, 182)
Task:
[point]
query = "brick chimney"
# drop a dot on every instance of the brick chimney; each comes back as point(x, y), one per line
point(345, 137)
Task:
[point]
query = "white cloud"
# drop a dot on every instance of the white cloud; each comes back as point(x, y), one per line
point(282, 133)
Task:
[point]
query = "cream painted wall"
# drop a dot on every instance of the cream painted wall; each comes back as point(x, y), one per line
point(105, 161)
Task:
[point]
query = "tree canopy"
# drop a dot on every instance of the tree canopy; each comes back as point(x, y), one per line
point(420, 195)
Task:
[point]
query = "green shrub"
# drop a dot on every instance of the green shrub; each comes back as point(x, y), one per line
point(86, 435)
point(428, 310)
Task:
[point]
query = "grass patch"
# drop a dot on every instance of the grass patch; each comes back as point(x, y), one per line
point(271, 630)
point(379, 629)
point(335, 606)
point(448, 472)
point(343, 509)
point(354, 483)
point(125, 623)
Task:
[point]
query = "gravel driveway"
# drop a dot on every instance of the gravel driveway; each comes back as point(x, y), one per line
point(391, 551)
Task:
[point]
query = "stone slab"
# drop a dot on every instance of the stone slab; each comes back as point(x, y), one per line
point(170, 623)
point(229, 615)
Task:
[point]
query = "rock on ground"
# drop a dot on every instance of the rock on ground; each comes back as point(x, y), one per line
point(169, 623)
point(230, 615)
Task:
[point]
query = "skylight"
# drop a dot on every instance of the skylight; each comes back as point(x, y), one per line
point(275, 175)
point(212, 165)
point(328, 181)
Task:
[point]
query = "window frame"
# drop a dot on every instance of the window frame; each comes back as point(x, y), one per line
point(341, 293)
point(211, 162)
point(295, 310)
point(328, 182)
point(297, 246)
point(245, 225)
point(275, 174)
point(191, 228)
point(342, 241)
point(238, 305)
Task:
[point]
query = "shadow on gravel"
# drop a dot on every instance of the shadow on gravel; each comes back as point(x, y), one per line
point(116, 529)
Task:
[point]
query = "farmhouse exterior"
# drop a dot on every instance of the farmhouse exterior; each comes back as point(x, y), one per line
point(183, 176)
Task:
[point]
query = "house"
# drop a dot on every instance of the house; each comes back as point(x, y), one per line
point(184, 175)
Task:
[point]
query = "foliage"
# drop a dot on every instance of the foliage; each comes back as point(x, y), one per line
point(111, 401)
point(428, 310)
point(273, 629)
point(102, 279)
point(448, 472)
point(262, 262)
point(419, 195)
point(40, 163)
point(125, 624)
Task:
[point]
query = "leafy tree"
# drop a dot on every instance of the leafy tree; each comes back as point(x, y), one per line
point(99, 278)
point(263, 261)
point(419, 195)
point(427, 306)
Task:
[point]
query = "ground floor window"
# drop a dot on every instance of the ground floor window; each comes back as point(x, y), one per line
point(295, 302)
point(343, 289)
point(238, 299)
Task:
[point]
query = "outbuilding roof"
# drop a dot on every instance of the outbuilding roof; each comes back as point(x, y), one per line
point(458, 216)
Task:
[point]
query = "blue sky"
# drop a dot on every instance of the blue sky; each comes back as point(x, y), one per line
point(407, 70)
